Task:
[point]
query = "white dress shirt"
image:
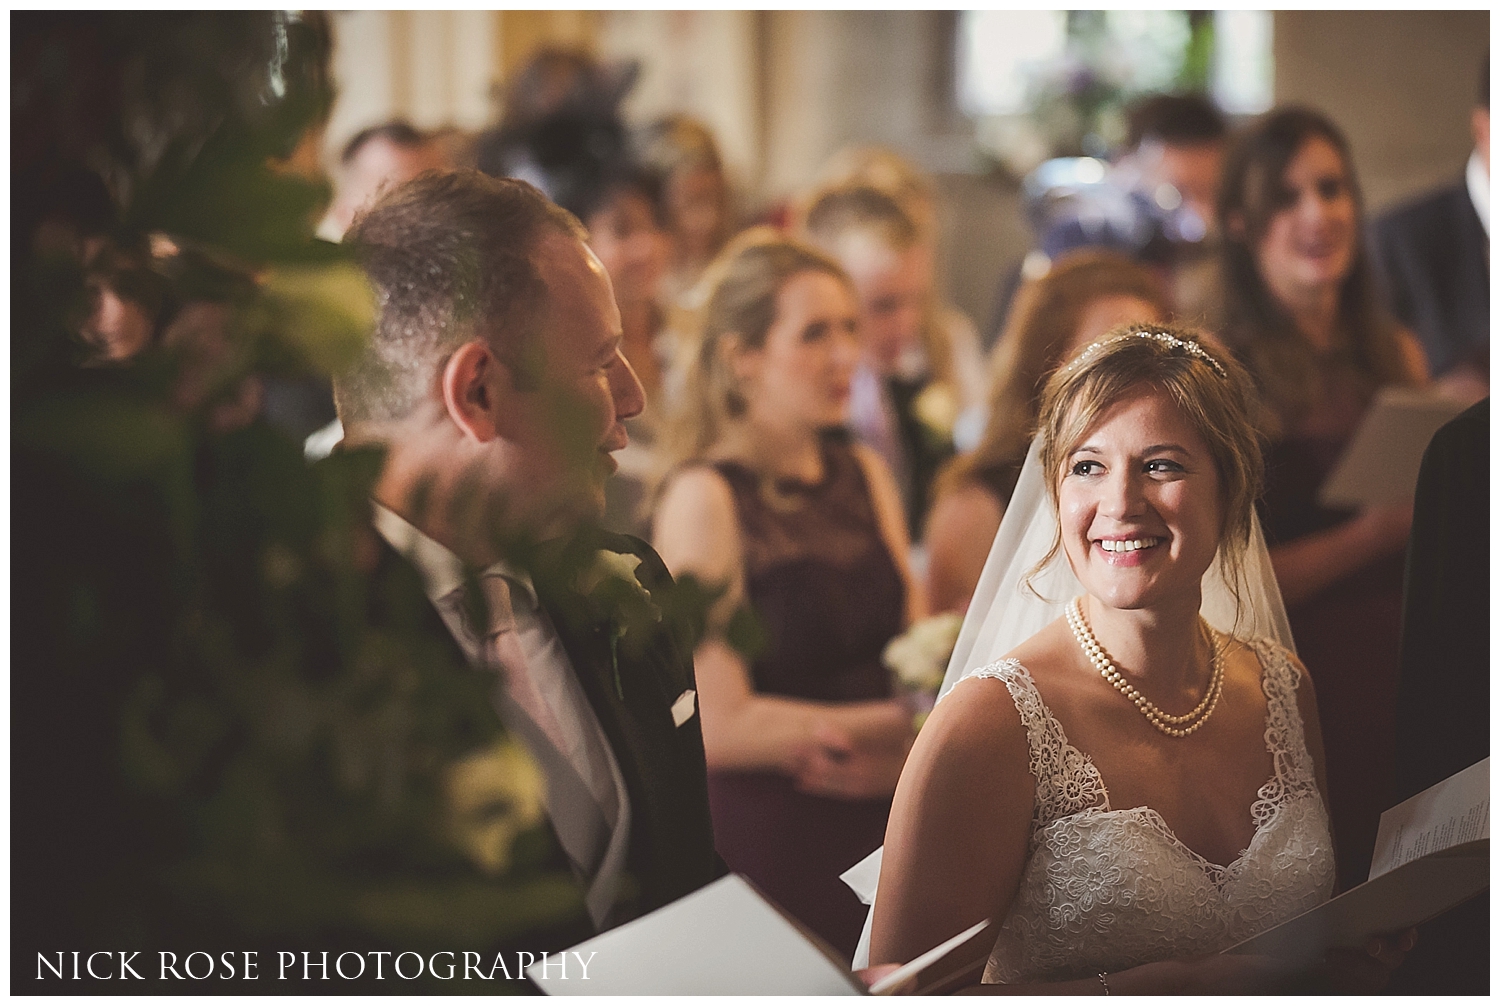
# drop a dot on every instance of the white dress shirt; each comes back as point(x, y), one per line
point(586, 795)
point(1478, 181)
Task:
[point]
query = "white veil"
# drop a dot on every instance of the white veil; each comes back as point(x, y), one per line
point(1004, 612)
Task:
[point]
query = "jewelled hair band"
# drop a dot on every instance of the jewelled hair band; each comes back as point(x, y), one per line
point(1191, 348)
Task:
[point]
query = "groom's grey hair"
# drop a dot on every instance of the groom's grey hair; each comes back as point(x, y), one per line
point(451, 257)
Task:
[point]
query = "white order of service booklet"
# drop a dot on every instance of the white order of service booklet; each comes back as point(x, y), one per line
point(1384, 457)
point(724, 939)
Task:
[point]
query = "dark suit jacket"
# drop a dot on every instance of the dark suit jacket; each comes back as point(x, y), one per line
point(1445, 658)
point(1444, 724)
point(671, 837)
point(1433, 254)
point(671, 849)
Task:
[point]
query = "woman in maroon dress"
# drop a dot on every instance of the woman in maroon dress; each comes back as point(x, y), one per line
point(1301, 312)
point(771, 499)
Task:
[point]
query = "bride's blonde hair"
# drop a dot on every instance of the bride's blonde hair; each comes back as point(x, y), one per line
point(1212, 391)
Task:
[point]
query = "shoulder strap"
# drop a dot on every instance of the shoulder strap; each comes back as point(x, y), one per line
point(1285, 737)
point(1066, 780)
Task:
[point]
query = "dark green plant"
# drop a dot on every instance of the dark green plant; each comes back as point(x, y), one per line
point(230, 727)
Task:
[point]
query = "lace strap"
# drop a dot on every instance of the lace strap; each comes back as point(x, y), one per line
point(1286, 738)
point(1066, 780)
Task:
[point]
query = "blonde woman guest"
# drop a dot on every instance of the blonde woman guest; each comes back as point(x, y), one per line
point(906, 395)
point(771, 499)
point(1082, 296)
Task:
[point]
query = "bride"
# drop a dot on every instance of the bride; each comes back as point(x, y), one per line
point(1139, 782)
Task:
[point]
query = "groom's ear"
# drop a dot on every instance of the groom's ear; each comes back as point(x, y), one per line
point(473, 384)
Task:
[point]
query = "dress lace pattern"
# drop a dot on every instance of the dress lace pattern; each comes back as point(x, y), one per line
point(1106, 889)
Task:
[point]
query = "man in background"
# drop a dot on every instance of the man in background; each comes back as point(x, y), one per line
point(1434, 253)
point(376, 159)
point(1154, 202)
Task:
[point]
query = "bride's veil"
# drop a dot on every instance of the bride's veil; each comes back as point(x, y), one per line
point(1006, 611)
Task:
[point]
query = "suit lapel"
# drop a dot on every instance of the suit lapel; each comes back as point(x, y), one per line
point(671, 844)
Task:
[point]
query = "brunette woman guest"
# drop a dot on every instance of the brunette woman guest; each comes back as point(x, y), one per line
point(696, 195)
point(770, 498)
point(1300, 310)
point(620, 203)
point(1081, 297)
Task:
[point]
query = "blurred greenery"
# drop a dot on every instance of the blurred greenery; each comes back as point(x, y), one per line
point(230, 721)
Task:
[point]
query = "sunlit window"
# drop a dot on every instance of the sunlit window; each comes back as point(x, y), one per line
point(1077, 70)
point(1242, 61)
point(999, 52)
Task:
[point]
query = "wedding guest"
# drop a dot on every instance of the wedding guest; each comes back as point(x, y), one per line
point(620, 204)
point(562, 110)
point(906, 395)
point(1434, 254)
point(948, 333)
point(771, 501)
point(1082, 296)
point(1081, 782)
point(375, 159)
point(1154, 202)
point(697, 196)
point(1300, 309)
point(1444, 725)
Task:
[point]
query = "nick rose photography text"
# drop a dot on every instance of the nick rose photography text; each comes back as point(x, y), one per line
point(200, 965)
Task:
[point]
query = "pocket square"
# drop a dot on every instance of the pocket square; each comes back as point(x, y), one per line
point(684, 707)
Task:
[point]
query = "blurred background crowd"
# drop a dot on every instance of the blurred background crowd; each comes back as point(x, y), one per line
point(847, 249)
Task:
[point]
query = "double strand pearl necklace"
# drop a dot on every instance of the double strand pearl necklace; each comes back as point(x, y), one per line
point(1172, 726)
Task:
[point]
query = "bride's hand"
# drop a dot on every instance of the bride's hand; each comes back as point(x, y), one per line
point(1216, 974)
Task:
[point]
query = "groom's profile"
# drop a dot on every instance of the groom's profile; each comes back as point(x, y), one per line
point(495, 383)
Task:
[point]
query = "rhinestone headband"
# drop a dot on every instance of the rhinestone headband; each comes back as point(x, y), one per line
point(1191, 348)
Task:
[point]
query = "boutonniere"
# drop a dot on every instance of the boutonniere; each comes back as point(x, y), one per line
point(621, 603)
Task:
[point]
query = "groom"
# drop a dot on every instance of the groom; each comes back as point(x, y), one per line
point(496, 385)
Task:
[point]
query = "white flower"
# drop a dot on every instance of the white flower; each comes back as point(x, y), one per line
point(493, 795)
point(919, 656)
point(613, 566)
point(620, 565)
point(936, 408)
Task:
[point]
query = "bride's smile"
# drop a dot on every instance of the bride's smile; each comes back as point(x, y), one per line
point(1139, 504)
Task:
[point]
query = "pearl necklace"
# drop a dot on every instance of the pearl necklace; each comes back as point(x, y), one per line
point(1172, 726)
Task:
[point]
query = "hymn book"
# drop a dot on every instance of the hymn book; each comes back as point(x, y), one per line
point(730, 939)
point(723, 939)
point(1432, 853)
point(1384, 457)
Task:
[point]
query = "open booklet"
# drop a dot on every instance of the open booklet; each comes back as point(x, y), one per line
point(1432, 853)
point(729, 939)
point(1383, 458)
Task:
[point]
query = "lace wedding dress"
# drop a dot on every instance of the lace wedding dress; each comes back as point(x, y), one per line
point(1107, 888)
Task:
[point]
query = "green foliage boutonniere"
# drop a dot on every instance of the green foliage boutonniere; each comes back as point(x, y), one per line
point(614, 592)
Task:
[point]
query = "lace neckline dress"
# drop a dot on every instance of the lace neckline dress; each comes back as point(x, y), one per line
point(1106, 889)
